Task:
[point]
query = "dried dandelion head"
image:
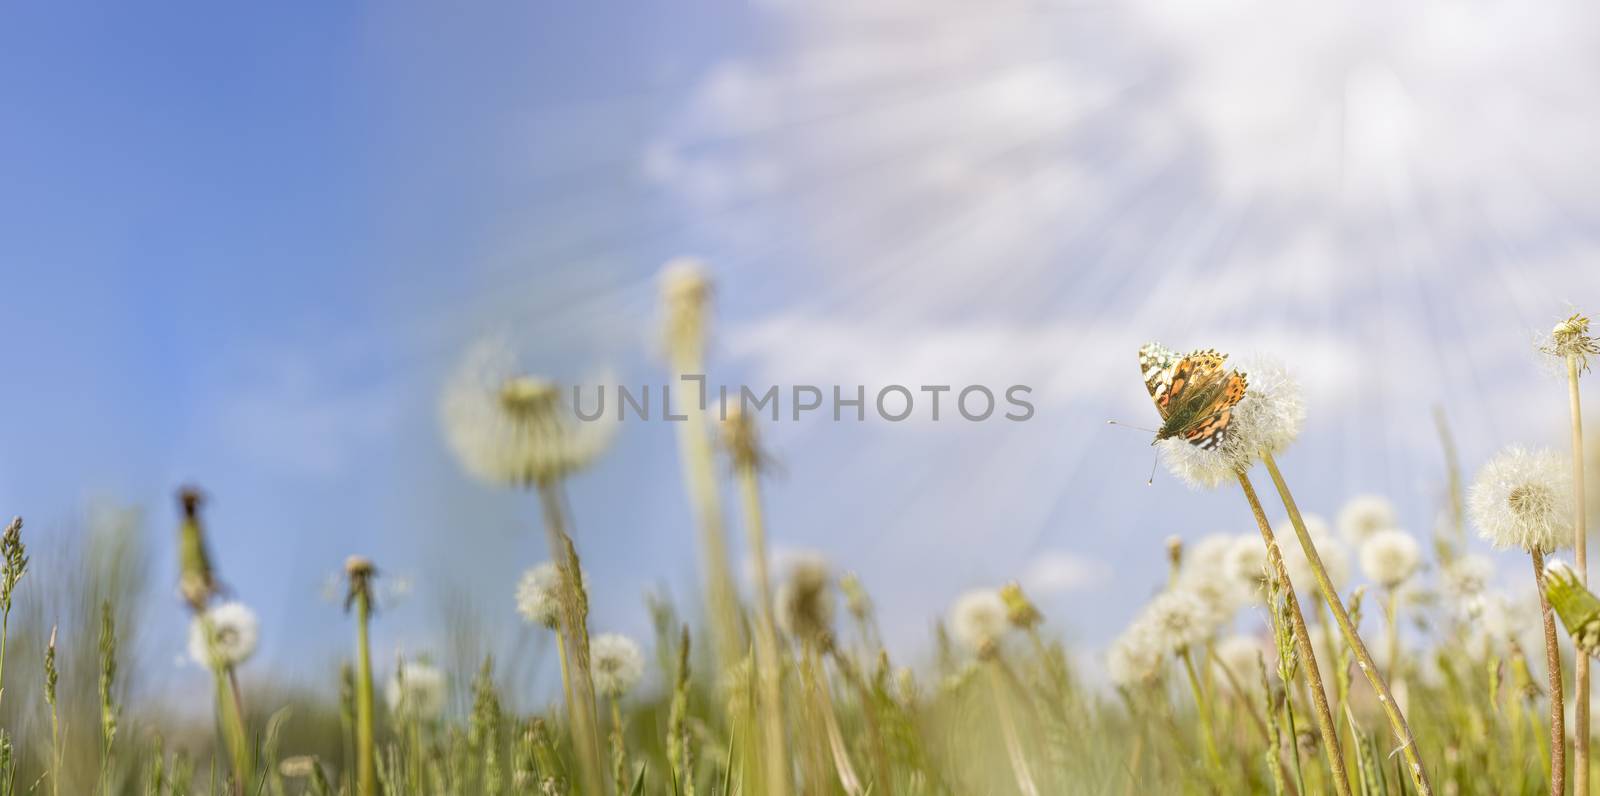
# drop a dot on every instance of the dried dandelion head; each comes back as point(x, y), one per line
point(1133, 659)
point(1523, 499)
point(358, 573)
point(1389, 558)
point(416, 690)
point(805, 600)
point(1364, 515)
point(978, 620)
point(685, 298)
point(510, 428)
point(741, 439)
point(224, 636)
point(617, 662)
point(539, 595)
point(1570, 340)
point(196, 580)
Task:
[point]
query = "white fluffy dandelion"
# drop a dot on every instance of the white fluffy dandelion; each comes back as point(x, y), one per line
point(1466, 579)
point(978, 619)
point(1364, 515)
point(1237, 655)
point(1177, 620)
point(1268, 418)
point(1133, 659)
point(1389, 558)
point(1247, 562)
point(416, 690)
point(1334, 555)
point(508, 428)
point(617, 662)
point(1523, 499)
point(232, 638)
point(539, 595)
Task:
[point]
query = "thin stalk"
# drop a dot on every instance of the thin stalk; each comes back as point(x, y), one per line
point(1013, 739)
point(1391, 631)
point(1397, 719)
point(848, 779)
point(1243, 697)
point(1580, 548)
point(699, 472)
point(231, 717)
point(1552, 654)
point(574, 627)
point(366, 760)
point(1302, 640)
point(1208, 733)
point(619, 751)
point(769, 666)
point(1294, 742)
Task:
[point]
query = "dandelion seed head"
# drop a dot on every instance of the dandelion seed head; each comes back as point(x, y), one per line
point(617, 662)
point(1270, 415)
point(686, 288)
point(1522, 499)
point(1247, 562)
point(1335, 556)
point(1201, 468)
point(509, 428)
point(1389, 558)
point(1364, 515)
point(234, 633)
point(539, 595)
point(1177, 619)
point(805, 599)
point(1238, 655)
point(1133, 659)
point(416, 690)
point(978, 619)
point(1466, 578)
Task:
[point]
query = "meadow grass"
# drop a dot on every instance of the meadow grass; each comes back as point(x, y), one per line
point(1219, 685)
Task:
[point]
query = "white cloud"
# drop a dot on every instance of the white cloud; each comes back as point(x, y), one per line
point(1059, 572)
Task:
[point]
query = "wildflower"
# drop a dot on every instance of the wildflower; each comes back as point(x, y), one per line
point(1268, 418)
point(1133, 659)
point(805, 600)
point(234, 633)
point(1177, 620)
point(1523, 499)
point(1570, 338)
point(416, 690)
point(617, 663)
point(978, 619)
point(539, 595)
point(1020, 611)
point(1389, 558)
point(513, 429)
point(1364, 515)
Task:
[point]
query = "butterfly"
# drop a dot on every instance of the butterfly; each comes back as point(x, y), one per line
point(1193, 393)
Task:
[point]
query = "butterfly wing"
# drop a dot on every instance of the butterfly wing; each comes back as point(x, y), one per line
point(1157, 363)
point(1212, 423)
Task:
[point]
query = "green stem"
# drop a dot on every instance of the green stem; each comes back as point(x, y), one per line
point(1208, 733)
point(1330, 593)
point(366, 760)
point(574, 627)
point(769, 664)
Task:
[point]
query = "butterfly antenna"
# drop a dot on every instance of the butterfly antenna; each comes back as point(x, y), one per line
point(1153, 461)
point(1128, 425)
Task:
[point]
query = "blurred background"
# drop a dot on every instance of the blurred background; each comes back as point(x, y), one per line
point(245, 246)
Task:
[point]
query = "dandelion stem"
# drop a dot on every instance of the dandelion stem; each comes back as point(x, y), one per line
point(1558, 733)
point(1391, 613)
point(1302, 638)
point(1208, 733)
point(848, 779)
point(574, 626)
point(768, 663)
point(1397, 719)
point(1580, 547)
point(366, 763)
point(1013, 739)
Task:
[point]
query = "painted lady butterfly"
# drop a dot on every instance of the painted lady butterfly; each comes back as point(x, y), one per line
point(1194, 394)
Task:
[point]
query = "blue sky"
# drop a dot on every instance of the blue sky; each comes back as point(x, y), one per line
point(244, 246)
